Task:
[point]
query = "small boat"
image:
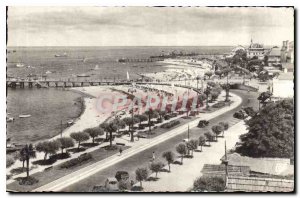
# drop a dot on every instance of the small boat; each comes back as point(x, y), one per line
point(24, 116)
point(48, 72)
point(10, 119)
point(61, 55)
point(70, 122)
point(20, 65)
point(83, 75)
point(96, 67)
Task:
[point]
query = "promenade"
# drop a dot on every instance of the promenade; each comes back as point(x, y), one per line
point(88, 171)
point(183, 176)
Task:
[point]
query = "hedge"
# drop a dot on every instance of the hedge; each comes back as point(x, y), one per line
point(170, 124)
point(77, 161)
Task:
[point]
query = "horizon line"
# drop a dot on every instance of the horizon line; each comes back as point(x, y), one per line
point(133, 45)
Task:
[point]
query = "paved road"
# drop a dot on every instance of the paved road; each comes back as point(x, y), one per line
point(86, 178)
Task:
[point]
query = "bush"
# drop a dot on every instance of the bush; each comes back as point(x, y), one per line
point(167, 117)
point(209, 184)
point(239, 115)
point(124, 185)
point(77, 161)
point(122, 175)
point(28, 181)
point(170, 124)
point(249, 111)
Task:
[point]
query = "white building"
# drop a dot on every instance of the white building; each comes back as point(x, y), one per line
point(283, 85)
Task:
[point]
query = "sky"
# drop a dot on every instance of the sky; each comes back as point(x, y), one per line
point(148, 26)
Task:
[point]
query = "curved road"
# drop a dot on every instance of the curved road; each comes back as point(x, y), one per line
point(79, 182)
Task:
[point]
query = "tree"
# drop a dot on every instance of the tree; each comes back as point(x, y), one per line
point(104, 126)
point(270, 132)
point(161, 114)
point(208, 74)
point(169, 156)
point(201, 141)
point(141, 174)
point(263, 97)
point(219, 73)
point(130, 122)
point(209, 183)
point(65, 142)
point(151, 114)
point(142, 118)
point(156, 167)
point(214, 95)
point(21, 156)
point(120, 124)
point(217, 129)
point(48, 147)
point(94, 132)
point(201, 99)
point(182, 150)
point(28, 153)
point(111, 128)
point(209, 136)
point(192, 145)
point(225, 126)
point(207, 92)
point(80, 137)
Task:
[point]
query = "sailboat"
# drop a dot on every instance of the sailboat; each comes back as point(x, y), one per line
point(128, 76)
point(96, 67)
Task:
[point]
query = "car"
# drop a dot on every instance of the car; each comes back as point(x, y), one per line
point(203, 123)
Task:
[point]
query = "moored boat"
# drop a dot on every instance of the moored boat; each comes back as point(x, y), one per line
point(83, 75)
point(20, 65)
point(24, 116)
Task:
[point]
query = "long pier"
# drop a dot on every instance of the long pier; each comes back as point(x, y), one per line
point(14, 83)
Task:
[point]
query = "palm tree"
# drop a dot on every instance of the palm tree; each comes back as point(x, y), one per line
point(111, 127)
point(151, 114)
point(28, 153)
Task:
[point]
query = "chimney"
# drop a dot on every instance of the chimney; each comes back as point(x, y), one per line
point(287, 45)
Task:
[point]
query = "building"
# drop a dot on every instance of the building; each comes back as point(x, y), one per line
point(256, 184)
point(283, 85)
point(256, 50)
point(287, 52)
point(274, 57)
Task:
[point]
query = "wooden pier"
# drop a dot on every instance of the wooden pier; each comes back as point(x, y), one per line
point(17, 83)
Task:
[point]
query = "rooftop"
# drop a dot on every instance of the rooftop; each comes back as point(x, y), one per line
point(286, 76)
point(275, 52)
point(274, 166)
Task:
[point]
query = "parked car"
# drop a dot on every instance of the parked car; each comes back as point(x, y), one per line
point(203, 123)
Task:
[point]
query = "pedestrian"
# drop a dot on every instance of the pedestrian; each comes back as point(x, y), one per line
point(153, 156)
point(120, 150)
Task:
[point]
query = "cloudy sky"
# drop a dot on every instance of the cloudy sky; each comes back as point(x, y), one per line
point(147, 26)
